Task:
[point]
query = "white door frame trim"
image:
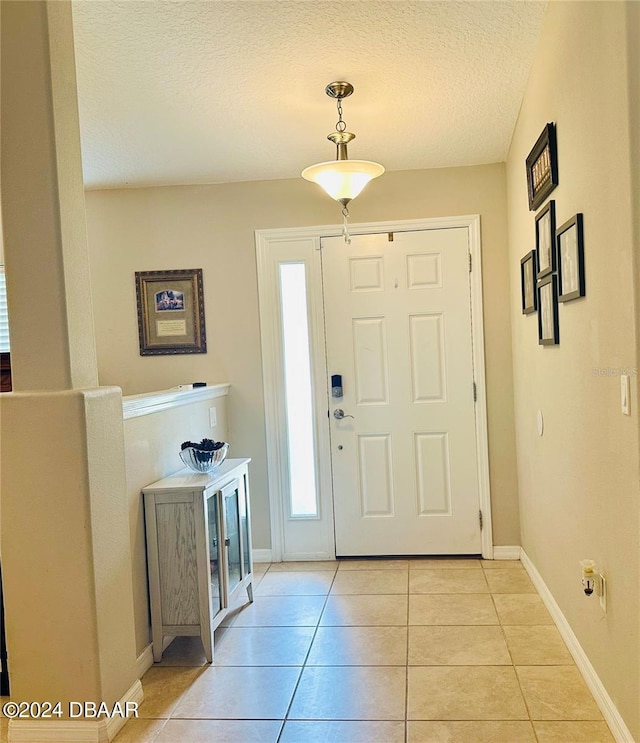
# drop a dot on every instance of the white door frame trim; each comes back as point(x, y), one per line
point(269, 325)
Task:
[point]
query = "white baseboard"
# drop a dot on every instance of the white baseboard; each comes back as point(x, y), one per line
point(73, 731)
point(508, 552)
point(609, 711)
point(144, 661)
point(261, 555)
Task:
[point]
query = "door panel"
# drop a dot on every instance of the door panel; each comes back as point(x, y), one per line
point(398, 328)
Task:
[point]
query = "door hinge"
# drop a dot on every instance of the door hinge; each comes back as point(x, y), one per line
point(480, 519)
point(470, 261)
point(475, 392)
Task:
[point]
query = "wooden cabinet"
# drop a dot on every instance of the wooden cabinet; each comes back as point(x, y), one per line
point(198, 550)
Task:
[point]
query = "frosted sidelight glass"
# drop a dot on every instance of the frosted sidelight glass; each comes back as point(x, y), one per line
point(303, 501)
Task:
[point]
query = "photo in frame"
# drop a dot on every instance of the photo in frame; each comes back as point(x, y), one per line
point(545, 240)
point(170, 312)
point(570, 259)
point(548, 326)
point(542, 167)
point(528, 283)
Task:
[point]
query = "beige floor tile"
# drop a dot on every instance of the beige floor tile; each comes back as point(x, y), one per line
point(447, 581)
point(184, 651)
point(359, 646)
point(370, 582)
point(470, 732)
point(350, 693)
point(374, 564)
point(441, 563)
point(509, 581)
point(249, 693)
point(262, 646)
point(260, 568)
point(163, 688)
point(313, 566)
point(457, 646)
point(443, 608)
point(501, 564)
point(575, 732)
point(363, 610)
point(524, 608)
point(537, 646)
point(295, 584)
point(557, 693)
point(464, 693)
point(220, 731)
point(278, 611)
point(342, 731)
point(140, 731)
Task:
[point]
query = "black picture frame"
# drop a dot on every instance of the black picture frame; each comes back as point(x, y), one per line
point(570, 259)
point(546, 240)
point(170, 312)
point(529, 295)
point(548, 325)
point(542, 167)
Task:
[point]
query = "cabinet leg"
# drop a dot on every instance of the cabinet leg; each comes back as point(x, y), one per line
point(250, 592)
point(156, 644)
point(207, 642)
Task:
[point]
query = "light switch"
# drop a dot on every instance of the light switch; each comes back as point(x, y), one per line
point(213, 417)
point(625, 394)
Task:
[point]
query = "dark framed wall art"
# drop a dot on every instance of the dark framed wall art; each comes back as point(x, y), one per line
point(170, 312)
point(570, 251)
point(548, 326)
point(528, 283)
point(542, 167)
point(545, 239)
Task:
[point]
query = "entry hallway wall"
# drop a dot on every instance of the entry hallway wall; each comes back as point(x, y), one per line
point(212, 227)
point(579, 488)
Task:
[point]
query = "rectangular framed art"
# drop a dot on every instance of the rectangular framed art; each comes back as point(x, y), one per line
point(545, 239)
point(570, 249)
point(548, 326)
point(170, 312)
point(542, 167)
point(528, 283)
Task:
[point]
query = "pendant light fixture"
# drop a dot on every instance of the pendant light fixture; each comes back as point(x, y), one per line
point(342, 179)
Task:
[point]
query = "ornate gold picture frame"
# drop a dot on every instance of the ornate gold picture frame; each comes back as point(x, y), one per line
point(170, 312)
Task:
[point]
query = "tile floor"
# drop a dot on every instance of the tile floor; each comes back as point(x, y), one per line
point(375, 651)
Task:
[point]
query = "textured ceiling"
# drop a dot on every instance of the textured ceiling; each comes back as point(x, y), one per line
point(195, 91)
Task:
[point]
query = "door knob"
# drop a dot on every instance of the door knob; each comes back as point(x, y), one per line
point(339, 414)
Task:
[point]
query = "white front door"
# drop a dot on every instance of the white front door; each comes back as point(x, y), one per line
point(399, 331)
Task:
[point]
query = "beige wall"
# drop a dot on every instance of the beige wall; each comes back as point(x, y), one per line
point(579, 493)
point(152, 443)
point(212, 227)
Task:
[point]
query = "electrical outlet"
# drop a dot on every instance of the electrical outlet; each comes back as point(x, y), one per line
point(213, 417)
point(603, 593)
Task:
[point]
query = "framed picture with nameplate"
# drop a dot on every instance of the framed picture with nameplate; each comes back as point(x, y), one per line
point(170, 312)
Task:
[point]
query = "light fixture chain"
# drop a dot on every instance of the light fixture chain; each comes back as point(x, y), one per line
point(341, 125)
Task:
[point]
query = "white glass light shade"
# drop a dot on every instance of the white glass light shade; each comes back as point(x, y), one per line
point(343, 179)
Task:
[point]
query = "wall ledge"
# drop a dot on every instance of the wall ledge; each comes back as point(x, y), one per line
point(134, 406)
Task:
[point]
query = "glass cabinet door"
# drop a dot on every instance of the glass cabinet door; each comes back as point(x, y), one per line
point(214, 553)
point(232, 534)
point(244, 526)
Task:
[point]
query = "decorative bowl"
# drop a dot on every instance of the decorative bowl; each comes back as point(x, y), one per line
point(200, 460)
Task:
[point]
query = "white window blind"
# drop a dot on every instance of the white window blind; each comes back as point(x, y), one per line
point(4, 317)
